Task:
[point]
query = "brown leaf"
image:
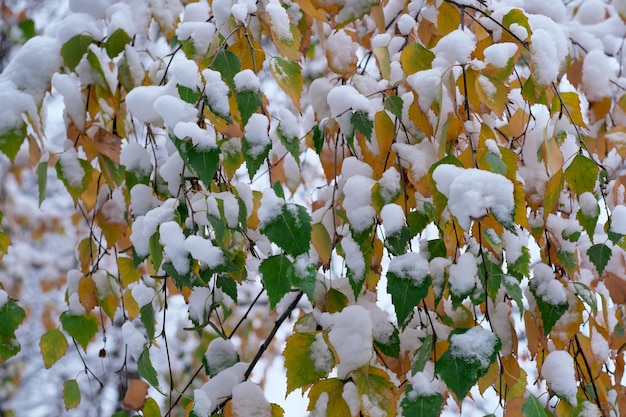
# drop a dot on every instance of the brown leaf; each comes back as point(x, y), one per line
point(136, 394)
point(108, 144)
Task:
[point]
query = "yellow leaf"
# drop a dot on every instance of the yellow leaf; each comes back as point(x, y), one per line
point(448, 18)
point(553, 192)
point(492, 93)
point(489, 378)
point(568, 104)
point(131, 306)
point(289, 47)
point(384, 61)
point(109, 304)
point(385, 134)
point(87, 293)
point(288, 75)
point(249, 52)
point(417, 116)
point(128, 272)
point(322, 243)
point(151, 408)
point(312, 9)
point(415, 57)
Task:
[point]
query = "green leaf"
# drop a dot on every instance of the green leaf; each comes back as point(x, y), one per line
point(521, 267)
point(11, 316)
point(301, 367)
point(116, 43)
point(406, 292)
point(304, 278)
point(436, 249)
point(461, 373)
point(292, 144)
point(256, 159)
point(422, 356)
point(514, 291)
point(71, 394)
point(82, 328)
point(423, 406)
point(5, 242)
point(248, 102)
point(65, 172)
point(417, 222)
point(550, 313)
point(397, 242)
point(227, 285)
point(228, 64)
point(146, 370)
point(151, 408)
point(28, 29)
point(496, 163)
point(588, 222)
point(188, 94)
point(492, 274)
point(290, 230)
point(568, 260)
point(533, 408)
point(156, 250)
point(276, 272)
point(599, 255)
point(53, 346)
point(11, 141)
point(517, 16)
point(318, 138)
point(203, 161)
point(147, 319)
point(73, 50)
point(361, 121)
point(581, 174)
point(390, 347)
point(335, 301)
point(394, 104)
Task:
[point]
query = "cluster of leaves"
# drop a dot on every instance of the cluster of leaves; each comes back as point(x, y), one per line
point(427, 165)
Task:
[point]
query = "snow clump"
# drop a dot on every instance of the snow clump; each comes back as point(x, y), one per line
point(558, 370)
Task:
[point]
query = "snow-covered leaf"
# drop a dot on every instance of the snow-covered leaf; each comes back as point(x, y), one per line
point(288, 75)
point(74, 49)
point(307, 359)
point(290, 229)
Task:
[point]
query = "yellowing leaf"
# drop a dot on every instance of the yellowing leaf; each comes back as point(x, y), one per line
point(151, 408)
point(581, 174)
point(250, 53)
point(53, 346)
point(131, 306)
point(302, 369)
point(492, 92)
point(448, 18)
point(288, 75)
point(385, 134)
point(71, 394)
point(322, 242)
point(568, 104)
point(384, 61)
point(333, 387)
point(87, 293)
point(127, 270)
point(415, 57)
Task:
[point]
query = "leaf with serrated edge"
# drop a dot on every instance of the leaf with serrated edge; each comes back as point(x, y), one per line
point(53, 346)
point(290, 230)
point(301, 369)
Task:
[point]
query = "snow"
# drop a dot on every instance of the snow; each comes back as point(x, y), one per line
point(217, 92)
point(463, 275)
point(171, 172)
point(200, 301)
point(546, 285)
point(271, 207)
point(173, 241)
point(421, 386)
point(426, 84)
point(597, 75)
point(499, 54)
point(341, 52)
point(618, 220)
point(203, 250)
point(548, 48)
point(140, 102)
point(221, 354)
point(599, 345)
point(142, 294)
point(134, 340)
point(454, 48)
point(257, 134)
point(513, 245)
point(357, 202)
point(73, 99)
point(288, 126)
point(218, 389)
point(406, 24)
point(588, 204)
point(419, 157)
point(249, 401)
point(343, 98)
point(410, 266)
point(389, 184)
point(354, 257)
point(487, 86)
point(475, 345)
point(231, 207)
point(71, 169)
point(279, 20)
point(320, 354)
point(4, 297)
point(558, 370)
point(247, 80)
point(199, 32)
point(186, 73)
point(14, 104)
point(202, 139)
point(351, 336)
point(350, 395)
point(392, 216)
point(174, 110)
point(353, 166)
point(472, 192)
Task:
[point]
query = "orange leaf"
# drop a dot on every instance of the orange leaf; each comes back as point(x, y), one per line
point(108, 144)
point(136, 394)
point(87, 293)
